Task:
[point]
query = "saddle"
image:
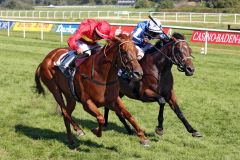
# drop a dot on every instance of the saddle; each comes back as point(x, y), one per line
point(68, 63)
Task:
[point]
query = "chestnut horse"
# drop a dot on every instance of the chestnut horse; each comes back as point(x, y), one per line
point(157, 82)
point(96, 83)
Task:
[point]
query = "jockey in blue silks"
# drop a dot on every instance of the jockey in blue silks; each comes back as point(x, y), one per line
point(146, 31)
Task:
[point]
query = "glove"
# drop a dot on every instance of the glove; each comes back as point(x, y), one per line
point(79, 51)
point(146, 40)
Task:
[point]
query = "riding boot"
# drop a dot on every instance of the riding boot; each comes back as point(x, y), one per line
point(71, 67)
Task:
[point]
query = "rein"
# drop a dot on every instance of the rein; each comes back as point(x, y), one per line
point(173, 59)
point(109, 60)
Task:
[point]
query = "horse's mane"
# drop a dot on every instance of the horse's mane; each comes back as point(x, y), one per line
point(161, 43)
point(118, 39)
point(178, 36)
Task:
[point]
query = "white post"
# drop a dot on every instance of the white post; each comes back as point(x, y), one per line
point(39, 14)
point(24, 30)
point(206, 42)
point(164, 16)
point(190, 17)
point(63, 14)
point(26, 14)
point(128, 15)
point(220, 15)
point(170, 31)
point(19, 14)
point(108, 14)
point(62, 33)
point(54, 14)
point(176, 16)
point(235, 18)
point(88, 14)
point(204, 18)
point(8, 28)
point(42, 31)
point(79, 14)
point(71, 14)
point(47, 14)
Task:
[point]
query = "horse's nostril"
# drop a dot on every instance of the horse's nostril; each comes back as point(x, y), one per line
point(190, 69)
point(137, 75)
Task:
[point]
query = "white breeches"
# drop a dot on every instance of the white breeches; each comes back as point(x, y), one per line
point(141, 51)
point(86, 48)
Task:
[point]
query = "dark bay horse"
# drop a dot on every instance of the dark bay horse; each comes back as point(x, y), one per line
point(96, 83)
point(157, 82)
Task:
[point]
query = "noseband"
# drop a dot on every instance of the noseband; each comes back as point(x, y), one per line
point(179, 63)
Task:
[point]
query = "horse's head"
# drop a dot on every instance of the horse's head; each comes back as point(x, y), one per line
point(181, 54)
point(127, 56)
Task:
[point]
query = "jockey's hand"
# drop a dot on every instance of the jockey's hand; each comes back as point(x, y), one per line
point(79, 51)
point(146, 40)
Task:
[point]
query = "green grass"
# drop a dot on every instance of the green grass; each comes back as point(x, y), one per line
point(30, 128)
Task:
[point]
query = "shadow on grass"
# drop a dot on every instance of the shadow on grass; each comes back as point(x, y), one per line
point(47, 134)
point(89, 124)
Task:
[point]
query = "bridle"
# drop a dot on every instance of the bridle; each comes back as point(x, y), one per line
point(174, 58)
point(124, 64)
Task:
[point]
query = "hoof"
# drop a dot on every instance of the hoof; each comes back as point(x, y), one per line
point(80, 133)
point(97, 132)
point(196, 134)
point(159, 131)
point(145, 142)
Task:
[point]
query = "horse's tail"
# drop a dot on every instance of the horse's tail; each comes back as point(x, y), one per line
point(39, 87)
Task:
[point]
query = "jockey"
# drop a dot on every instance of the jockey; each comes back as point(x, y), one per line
point(84, 40)
point(146, 31)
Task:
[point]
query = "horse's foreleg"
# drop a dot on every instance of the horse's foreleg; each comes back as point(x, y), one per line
point(92, 109)
point(121, 110)
point(106, 112)
point(159, 128)
point(175, 107)
point(130, 132)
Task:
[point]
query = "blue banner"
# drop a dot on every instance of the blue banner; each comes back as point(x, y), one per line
point(4, 24)
point(66, 28)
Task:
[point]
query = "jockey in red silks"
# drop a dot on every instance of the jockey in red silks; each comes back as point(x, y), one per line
point(84, 40)
point(86, 36)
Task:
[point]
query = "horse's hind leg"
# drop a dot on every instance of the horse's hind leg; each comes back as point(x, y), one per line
point(92, 109)
point(106, 112)
point(53, 88)
point(173, 104)
point(120, 109)
point(71, 103)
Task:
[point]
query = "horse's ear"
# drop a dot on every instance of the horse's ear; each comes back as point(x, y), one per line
point(174, 39)
point(118, 38)
point(184, 36)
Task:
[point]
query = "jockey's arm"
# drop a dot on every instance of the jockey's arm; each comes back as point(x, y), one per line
point(72, 40)
point(137, 36)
